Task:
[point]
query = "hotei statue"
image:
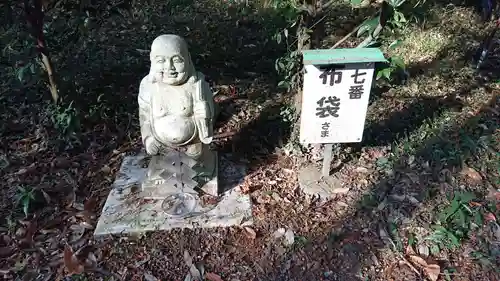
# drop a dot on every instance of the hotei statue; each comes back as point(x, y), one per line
point(176, 114)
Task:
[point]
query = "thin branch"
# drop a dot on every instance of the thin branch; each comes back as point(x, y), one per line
point(35, 19)
point(350, 33)
point(346, 37)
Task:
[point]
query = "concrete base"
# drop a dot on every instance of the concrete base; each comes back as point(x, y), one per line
point(127, 211)
point(312, 183)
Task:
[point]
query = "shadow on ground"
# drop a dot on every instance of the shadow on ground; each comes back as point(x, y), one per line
point(100, 66)
point(411, 111)
point(234, 52)
point(354, 243)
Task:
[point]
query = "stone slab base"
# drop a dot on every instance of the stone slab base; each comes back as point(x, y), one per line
point(312, 183)
point(126, 211)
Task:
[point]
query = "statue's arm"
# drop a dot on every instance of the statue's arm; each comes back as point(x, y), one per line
point(144, 101)
point(204, 109)
point(209, 98)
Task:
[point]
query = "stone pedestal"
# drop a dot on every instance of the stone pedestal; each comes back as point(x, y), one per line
point(127, 210)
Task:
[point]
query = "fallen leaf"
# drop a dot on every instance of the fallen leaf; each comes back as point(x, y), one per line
point(432, 271)
point(406, 262)
point(46, 196)
point(195, 273)
point(71, 262)
point(149, 277)
point(106, 169)
point(418, 260)
point(6, 251)
point(84, 253)
point(361, 170)
point(30, 275)
point(29, 231)
point(187, 258)
point(21, 171)
point(78, 206)
point(279, 232)
point(90, 204)
point(77, 232)
point(250, 233)
point(475, 204)
point(489, 217)
point(385, 237)
point(472, 174)
point(340, 190)
point(409, 250)
point(289, 237)
point(212, 277)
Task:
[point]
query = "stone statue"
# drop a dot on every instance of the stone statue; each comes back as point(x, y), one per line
point(176, 114)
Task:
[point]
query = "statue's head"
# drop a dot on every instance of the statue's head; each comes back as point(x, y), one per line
point(170, 60)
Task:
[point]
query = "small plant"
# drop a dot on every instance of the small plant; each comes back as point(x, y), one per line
point(10, 224)
point(485, 259)
point(455, 223)
point(388, 18)
point(288, 114)
point(26, 74)
point(395, 65)
point(65, 119)
point(97, 111)
point(289, 67)
point(26, 196)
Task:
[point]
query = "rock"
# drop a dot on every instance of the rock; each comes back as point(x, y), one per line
point(423, 250)
point(289, 237)
point(279, 233)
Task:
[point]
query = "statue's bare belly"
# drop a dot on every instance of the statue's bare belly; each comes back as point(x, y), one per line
point(174, 129)
point(173, 117)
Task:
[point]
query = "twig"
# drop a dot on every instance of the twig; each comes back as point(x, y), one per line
point(346, 37)
point(407, 262)
point(351, 33)
point(35, 19)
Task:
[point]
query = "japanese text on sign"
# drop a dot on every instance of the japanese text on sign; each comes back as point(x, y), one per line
point(334, 102)
point(328, 106)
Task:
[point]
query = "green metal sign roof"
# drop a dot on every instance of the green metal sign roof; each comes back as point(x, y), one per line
point(343, 56)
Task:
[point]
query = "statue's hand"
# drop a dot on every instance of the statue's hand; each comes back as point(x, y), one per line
point(152, 146)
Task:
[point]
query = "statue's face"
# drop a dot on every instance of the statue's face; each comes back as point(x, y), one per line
point(170, 69)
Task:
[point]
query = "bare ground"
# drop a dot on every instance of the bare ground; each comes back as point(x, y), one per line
point(425, 129)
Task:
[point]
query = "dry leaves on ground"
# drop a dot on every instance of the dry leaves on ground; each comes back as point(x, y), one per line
point(212, 277)
point(431, 270)
point(71, 262)
point(472, 175)
point(250, 233)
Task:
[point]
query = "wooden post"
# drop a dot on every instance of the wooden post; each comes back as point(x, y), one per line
point(327, 160)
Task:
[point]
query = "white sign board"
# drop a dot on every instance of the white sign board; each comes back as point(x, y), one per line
point(334, 102)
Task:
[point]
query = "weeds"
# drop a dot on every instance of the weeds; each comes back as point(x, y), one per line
point(64, 118)
point(25, 198)
point(455, 223)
